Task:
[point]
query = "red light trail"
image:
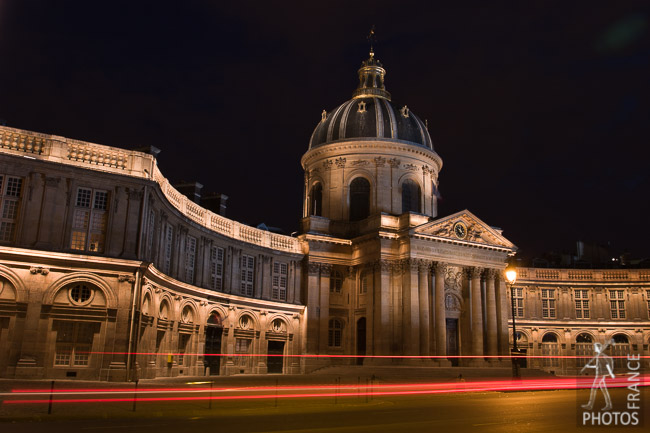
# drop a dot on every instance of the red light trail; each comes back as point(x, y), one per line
point(319, 391)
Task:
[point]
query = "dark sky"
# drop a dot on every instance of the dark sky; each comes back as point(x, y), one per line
point(539, 110)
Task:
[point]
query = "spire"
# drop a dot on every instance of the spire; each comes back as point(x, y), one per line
point(371, 75)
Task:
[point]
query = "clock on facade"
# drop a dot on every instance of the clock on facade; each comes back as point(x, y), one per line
point(460, 230)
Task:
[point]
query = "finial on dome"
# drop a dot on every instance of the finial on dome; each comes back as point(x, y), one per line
point(372, 39)
point(371, 74)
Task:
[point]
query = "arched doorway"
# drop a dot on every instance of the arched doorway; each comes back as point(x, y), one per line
point(584, 349)
point(522, 346)
point(550, 350)
point(213, 332)
point(619, 350)
point(361, 340)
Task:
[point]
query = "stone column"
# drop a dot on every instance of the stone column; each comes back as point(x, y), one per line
point(381, 321)
point(313, 310)
point(410, 289)
point(441, 324)
point(491, 310)
point(423, 292)
point(477, 311)
point(503, 313)
point(324, 315)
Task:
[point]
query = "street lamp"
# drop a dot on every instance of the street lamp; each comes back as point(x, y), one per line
point(511, 278)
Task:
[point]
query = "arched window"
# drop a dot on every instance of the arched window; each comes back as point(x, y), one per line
point(550, 350)
point(336, 282)
point(584, 348)
point(316, 200)
point(410, 196)
point(619, 349)
point(335, 333)
point(359, 199)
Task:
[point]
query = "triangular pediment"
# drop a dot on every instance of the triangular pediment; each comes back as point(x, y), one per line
point(464, 226)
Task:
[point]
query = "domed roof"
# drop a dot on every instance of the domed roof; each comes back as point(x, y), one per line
point(370, 115)
point(370, 119)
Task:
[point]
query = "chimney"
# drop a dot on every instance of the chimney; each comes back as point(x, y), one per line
point(216, 202)
point(191, 190)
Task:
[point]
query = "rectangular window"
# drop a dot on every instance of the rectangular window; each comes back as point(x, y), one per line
point(10, 191)
point(89, 220)
point(242, 348)
point(617, 304)
point(169, 245)
point(518, 295)
point(581, 298)
point(548, 303)
point(280, 271)
point(190, 258)
point(216, 268)
point(74, 341)
point(247, 265)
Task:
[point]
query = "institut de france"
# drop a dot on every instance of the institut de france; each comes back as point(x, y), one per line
point(108, 272)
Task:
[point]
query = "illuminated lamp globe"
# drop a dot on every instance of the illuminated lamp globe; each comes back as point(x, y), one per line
point(511, 274)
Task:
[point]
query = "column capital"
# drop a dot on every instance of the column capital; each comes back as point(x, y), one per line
point(325, 269)
point(474, 272)
point(313, 268)
point(438, 267)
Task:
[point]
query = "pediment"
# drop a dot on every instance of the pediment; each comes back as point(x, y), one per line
point(476, 232)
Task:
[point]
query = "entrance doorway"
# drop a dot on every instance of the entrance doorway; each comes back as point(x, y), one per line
point(452, 341)
point(361, 340)
point(275, 360)
point(213, 332)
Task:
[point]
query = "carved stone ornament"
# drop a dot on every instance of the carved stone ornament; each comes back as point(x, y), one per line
point(126, 277)
point(360, 163)
point(204, 303)
point(325, 270)
point(39, 270)
point(323, 116)
point(394, 162)
point(453, 279)
point(411, 167)
point(313, 268)
point(327, 164)
point(475, 272)
point(157, 289)
point(340, 162)
point(362, 107)
point(451, 303)
point(439, 267)
point(380, 161)
point(404, 111)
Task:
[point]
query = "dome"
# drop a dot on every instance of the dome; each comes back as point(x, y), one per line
point(370, 115)
point(370, 119)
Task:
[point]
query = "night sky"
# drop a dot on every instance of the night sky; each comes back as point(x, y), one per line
point(539, 110)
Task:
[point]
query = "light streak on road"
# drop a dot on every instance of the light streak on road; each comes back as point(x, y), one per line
point(319, 391)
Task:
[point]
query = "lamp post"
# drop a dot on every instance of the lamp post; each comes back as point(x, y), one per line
point(511, 278)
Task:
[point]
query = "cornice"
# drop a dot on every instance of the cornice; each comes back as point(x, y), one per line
point(385, 147)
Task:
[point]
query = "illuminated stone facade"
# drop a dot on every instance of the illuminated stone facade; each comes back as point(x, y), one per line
point(560, 313)
point(108, 272)
point(100, 256)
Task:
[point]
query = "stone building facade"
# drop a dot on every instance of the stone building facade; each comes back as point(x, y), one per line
point(560, 313)
point(108, 272)
point(101, 258)
point(385, 276)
